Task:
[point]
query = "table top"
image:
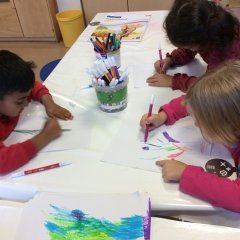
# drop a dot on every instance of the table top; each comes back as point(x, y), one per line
point(88, 173)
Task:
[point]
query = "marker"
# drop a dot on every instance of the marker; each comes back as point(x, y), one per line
point(40, 169)
point(149, 114)
point(33, 131)
point(86, 86)
point(160, 57)
point(111, 16)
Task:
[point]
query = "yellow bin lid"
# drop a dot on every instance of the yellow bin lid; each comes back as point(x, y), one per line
point(68, 15)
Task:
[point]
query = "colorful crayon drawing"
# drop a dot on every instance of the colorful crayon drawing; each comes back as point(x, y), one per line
point(166, 148)
point(67, 224)
point(181, 141)
point(86, 217)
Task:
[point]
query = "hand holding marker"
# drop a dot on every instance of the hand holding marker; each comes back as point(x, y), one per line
point(160, 57)
point(149, 114)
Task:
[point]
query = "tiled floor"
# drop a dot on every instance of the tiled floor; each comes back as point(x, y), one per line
point(39, 52)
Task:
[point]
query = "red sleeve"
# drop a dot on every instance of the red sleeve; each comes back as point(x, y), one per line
point(174, 110)
point(15, 155)
point(38, 91)
point(182, 82)
point(220, 192)
point(181, 56)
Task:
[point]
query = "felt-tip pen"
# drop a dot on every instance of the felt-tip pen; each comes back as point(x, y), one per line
point(111, 16)
point(86, 86)
point(40, 169)
point(149, 114)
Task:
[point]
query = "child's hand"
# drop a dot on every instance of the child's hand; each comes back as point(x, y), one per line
point(55, 111)
point(160, 80)
point(155, 120)
point(126, 29)
point(50, 131)
point(166, 64)
point(171, 169)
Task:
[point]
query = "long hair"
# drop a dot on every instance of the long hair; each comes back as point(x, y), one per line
point(215, 102)
point(16, 75)
point(200, 23)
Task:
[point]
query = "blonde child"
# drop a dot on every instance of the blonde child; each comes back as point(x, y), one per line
point(214, 104)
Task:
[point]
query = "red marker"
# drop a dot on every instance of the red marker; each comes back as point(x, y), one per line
point(149, 114)
point(40, 169)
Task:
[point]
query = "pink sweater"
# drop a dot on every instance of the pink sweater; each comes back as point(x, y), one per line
point(220, 192)
point(16, 155)
point(182, 56)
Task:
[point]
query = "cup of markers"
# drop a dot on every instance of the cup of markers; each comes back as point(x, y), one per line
point(108, 46)
point(110, 85)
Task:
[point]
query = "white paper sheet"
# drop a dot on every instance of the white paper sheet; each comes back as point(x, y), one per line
point(75, 134)
point(85, 216)
point(144, 71)
point(187, 145)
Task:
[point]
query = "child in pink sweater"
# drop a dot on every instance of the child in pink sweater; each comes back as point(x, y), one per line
point(17, 89)
point(213, 103)
point(197, 27)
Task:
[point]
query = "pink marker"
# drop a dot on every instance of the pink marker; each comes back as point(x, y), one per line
point(160, 57)
point(149, 114)
point(40, 169)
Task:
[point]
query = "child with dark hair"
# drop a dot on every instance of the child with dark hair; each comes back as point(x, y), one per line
point(197, 27)
point(213, 103)
point(17, 88)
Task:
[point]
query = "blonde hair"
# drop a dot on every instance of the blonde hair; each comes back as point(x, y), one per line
point(215, 102)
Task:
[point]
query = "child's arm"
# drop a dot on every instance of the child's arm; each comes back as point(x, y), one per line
point(181, 56)
point(54, 110)
point(171, 169)
point(50, 131)
point(178, 57)
point(179, 81)
point(175, 110)
point(220, 192)
point(16, 155)
point(167, 62)
point(182, 81)
point(155, 120)
point(160, 80)
point(40, 93)
point(168, 114)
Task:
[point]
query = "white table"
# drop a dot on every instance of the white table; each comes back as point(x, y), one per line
point(87, 173)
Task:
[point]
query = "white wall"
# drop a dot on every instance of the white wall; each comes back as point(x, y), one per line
point(68, 4)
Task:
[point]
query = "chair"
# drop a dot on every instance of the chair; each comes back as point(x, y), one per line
point(48, 68)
